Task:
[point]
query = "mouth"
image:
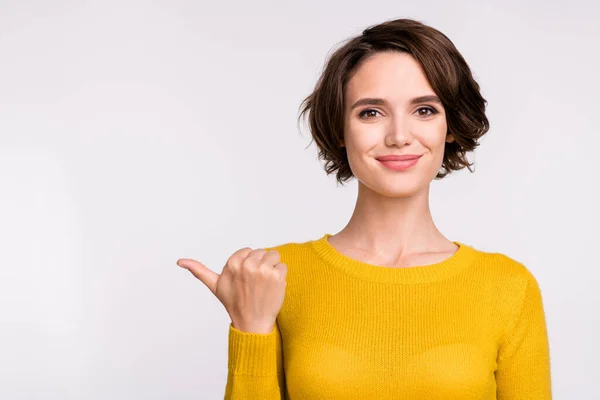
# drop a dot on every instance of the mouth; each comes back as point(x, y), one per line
point(399, 163)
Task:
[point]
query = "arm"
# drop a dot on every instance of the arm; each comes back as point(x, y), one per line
point(255, 366)
point(524, 359)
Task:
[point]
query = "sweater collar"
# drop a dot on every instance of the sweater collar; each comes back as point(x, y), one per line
point(416, 274)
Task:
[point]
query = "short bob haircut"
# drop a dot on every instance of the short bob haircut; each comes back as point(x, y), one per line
point(445, 69)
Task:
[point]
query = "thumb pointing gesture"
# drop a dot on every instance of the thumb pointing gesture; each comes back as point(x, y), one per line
point(200, 271)
point(251, 287)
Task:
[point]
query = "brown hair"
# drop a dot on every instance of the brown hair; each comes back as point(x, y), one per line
point(445, 69)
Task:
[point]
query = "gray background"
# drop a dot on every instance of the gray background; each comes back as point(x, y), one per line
point(136, 133)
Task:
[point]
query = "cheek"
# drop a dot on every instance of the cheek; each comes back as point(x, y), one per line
point(367, 135)
point(435, 144)
point(358, 149)
point(361, 140)
point(355, 151)
point(434, 136)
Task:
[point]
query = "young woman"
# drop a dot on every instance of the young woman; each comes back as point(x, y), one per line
point(387, 308)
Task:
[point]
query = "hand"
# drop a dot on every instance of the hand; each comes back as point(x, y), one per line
point(251, 287)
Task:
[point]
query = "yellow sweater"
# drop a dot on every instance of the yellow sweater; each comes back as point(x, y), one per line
point(469, 327)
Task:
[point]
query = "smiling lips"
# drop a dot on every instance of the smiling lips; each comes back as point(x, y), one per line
point(399, 162)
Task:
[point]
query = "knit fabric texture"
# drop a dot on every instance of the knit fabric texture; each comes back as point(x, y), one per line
point(469, 327)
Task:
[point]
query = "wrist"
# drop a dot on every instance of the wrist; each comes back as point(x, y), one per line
point(260, 328)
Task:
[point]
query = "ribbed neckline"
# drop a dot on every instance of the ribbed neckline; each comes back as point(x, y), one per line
point(416, 274)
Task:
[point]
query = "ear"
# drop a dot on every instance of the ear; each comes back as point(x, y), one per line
point(449, 138)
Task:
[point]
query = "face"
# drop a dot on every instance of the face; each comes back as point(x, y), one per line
point(385, 117)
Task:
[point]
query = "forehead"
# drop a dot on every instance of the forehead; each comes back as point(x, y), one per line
point(392, 75)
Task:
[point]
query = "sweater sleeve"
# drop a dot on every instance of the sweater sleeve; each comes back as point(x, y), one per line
point(524, 358)
point(255, 366)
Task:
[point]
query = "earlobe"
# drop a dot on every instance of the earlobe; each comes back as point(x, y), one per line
point(449, 138)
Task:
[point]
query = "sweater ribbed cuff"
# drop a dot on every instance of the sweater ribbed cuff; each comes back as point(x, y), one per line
point(252, 353)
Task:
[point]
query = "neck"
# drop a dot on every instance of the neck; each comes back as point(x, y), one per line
point(385, 224)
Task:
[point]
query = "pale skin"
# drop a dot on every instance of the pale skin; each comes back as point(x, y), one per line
point(391, 224)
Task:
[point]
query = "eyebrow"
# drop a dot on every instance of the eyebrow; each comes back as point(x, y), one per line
point(378, 101)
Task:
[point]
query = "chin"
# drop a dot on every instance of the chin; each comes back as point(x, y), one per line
point(402, 187)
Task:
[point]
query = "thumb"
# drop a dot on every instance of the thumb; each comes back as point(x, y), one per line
point(208, 277)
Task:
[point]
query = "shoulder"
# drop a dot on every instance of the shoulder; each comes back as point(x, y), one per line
point(509, 275)
point(298, 253)
point(517, 296)
point(300, 259)
point(291, 249)
point(502, 265)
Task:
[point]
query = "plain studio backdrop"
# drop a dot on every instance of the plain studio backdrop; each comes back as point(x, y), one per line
point(133, 134)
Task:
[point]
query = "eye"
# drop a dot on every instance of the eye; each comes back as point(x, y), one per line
point(432, 111)
point(369, 112)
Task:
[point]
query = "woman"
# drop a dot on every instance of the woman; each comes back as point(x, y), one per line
point(388, 307)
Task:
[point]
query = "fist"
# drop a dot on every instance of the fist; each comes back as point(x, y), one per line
point(251, 287)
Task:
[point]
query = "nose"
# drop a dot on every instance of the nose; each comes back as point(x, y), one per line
point(398, 132)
